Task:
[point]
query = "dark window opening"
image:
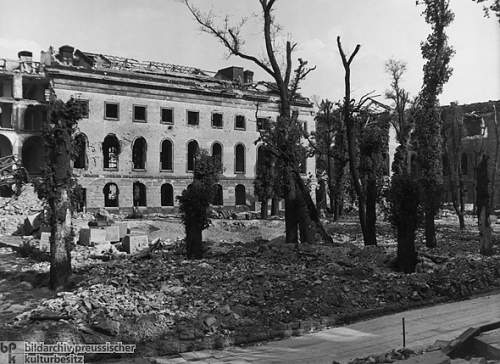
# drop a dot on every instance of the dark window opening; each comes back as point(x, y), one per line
point(239, 156)
point(240, 195)
point(33, 155)
point(6, 115)
point(110, 150)
point(166, 155)
point(473, 125)
point(193, 117)
point(84, 108)
point(217, 152)
point(217, 120)
point(140, 114)
point(34, 118)
point(217, 198)
point(191, 155)
point(111, 111)
point(80, 151)
point(111, 193)
point(239, 122)
point(263, 123)
point(139, 194)
point(139, 153)
point(464, 164)
point(167, 116)
point(167, 195)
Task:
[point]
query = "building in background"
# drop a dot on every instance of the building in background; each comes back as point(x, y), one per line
point(143, 124)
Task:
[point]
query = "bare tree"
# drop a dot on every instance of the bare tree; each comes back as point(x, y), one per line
point(349, 110)
point(300, 212)
point(400, 121)
point(452, 164)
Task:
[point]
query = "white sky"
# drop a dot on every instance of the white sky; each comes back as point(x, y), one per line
point(163, 30)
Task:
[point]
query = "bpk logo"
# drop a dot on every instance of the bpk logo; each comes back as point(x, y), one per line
point(11, 352)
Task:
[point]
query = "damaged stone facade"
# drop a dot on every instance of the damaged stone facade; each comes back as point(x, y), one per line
point(143, 125)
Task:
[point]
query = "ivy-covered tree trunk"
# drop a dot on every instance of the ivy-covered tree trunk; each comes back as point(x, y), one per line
point(371, 210)
point(404, 201)
point(194, 241)
point(437, 53)
point(484, 207)
point(264, 208)
point(57, 186)
point(61, 239)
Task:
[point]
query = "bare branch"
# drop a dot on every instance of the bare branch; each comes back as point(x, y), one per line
point(228, 36)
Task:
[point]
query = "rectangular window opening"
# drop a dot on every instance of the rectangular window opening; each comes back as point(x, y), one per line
point(240, 122)
point(217, 120)
point(167, 116)
point(140, 114)
point(111, 111)
point(193, 117)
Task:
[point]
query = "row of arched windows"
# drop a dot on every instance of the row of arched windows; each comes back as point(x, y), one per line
point(111, 195)
point(111, 151)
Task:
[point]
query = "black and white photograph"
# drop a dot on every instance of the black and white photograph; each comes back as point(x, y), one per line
point(250, 181)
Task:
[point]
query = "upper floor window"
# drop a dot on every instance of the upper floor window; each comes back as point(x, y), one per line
point(167, 115)
point(217, 120)
point(474, 125)
point(111, 111)
point(84, 108)
point(193, 117)
point(239, 159)
point(263, 123)
point(239, 122)
point(140, 114)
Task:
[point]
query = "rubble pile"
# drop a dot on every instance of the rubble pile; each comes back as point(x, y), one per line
point(265, 284)
point(14, 210)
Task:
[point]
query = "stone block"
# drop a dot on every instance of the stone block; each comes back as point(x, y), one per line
point(97, 236)
point(84, 236)
point(123, 226)
point(113, 233)
point(44, 242)
point(134, 243)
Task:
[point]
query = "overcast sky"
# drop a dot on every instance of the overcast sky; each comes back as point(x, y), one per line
point(163, 30)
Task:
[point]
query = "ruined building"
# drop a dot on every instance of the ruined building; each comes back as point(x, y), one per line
point(143, 124)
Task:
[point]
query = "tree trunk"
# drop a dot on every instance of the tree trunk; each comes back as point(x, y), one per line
point(275, 206)
point(60, 241)
point(430, 230)
point(371, 212)
point(485, 240)
point(310, 225)
point(194, 242)
point(263, 209)
point(407, 256)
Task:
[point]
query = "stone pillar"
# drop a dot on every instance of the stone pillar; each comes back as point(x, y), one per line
point(17, 86)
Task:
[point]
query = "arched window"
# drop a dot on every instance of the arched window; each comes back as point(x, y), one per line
point(111, 193)
point(166, 155)
point(240, 194)
point(110, 152)
point(5, 146)
point(139, 153)
point(217, 152)
point(139, 191)
point(167, 195)
point(33, 155)
point(80, 148)
point(239, 159)
point(217, 199)
point(464, 164)
point(191, 154)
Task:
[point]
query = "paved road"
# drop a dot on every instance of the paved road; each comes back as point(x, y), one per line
point(423, 327)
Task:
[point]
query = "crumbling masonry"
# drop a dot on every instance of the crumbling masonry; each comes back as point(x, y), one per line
point(143, 124)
